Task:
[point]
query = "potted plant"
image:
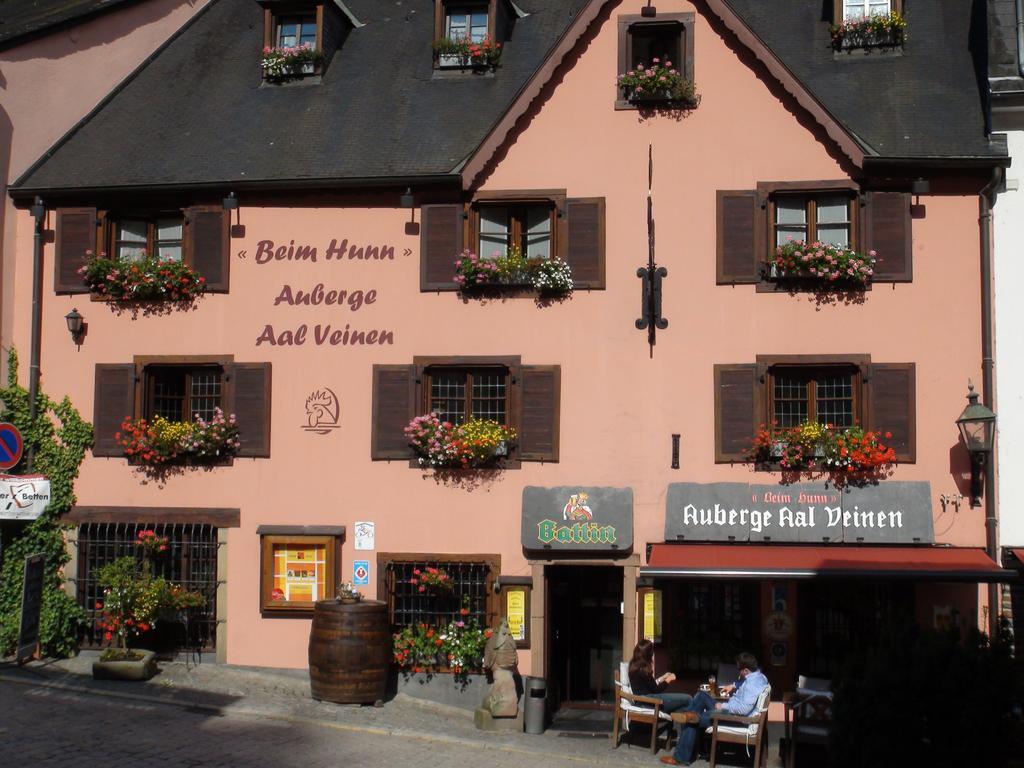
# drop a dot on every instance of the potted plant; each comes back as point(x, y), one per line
point(431, 579)
point(822, 263)
point(162, 441)
point(875, 30)
point(148, 278)
point(475, 443)
point(133, 601)
point(823, 447)
point(348, 594)
point(659, 82)
point(284, 62)
point(511, 270)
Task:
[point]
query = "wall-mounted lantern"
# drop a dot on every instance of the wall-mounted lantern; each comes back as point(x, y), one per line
point(76, 326)
point(977, 426)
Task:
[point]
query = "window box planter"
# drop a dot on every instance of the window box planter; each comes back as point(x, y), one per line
point(512, 272)
point(148, 279)
point(139, 666)
point(465, 53)
point(478, 443)
point(820, 264)
point(658, 84)
point(280, 64)
point(887, 30)
point(162, 442)
point(814, 447)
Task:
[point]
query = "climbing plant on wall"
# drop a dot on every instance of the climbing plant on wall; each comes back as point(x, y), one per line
point(60, 437)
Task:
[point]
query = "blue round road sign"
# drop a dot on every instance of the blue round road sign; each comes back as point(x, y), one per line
point(10, 446)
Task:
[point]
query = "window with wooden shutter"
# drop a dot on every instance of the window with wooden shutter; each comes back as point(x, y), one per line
point(209, 244)
point(585, 241)
point(113, 402)
point(892, 407)
point(738, 410)
point(540, 402)
point(392, 410)
point(76, 234)
point(740, 225)
point(665, 39)
point(887, 231)
point(250, 401)
point(441, 238)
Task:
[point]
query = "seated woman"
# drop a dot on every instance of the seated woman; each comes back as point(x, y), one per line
point(643, 683)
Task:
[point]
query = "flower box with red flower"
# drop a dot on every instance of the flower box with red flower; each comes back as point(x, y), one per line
point(473, 444)
point(876, 30)
point(145, 279)
point(811, 447)
point(658, 83)
point(818, 264)
point(160, 441)
point(466, 53)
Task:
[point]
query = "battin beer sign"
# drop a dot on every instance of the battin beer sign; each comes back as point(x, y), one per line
point(578, 519)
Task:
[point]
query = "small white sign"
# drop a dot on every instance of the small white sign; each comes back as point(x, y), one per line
point(364, 535)
point(23, 497)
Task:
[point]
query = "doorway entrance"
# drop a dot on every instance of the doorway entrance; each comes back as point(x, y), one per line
point(584, 631)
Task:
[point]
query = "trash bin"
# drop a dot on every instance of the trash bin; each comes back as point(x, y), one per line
point(536, 706)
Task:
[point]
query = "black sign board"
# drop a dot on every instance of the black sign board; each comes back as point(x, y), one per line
point(576, 518)
point(31, 607)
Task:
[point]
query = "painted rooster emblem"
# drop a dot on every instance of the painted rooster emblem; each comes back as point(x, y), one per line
point(321, 411)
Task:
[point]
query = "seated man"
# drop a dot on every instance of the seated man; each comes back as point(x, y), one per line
point(697, 717)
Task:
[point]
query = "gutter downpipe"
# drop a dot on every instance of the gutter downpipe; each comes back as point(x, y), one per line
point(986, 200)
point(1020, 37)
point(39, 213)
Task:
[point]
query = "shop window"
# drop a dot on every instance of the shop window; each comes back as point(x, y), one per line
point(827, 395)
point(190, 560)
point(712, 622)
point(298, 567)
point(199, 235)
point(182, 393)
point(178, 388)
point(525, 397)
point(411, 600)
point(667, 37)
point(540, 223)
point(842, 390)
point(751, 224)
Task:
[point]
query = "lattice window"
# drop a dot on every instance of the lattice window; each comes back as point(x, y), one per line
point(180, 393)
point(826, 395)
point(408, 604)
point(191, 560)
point(457, 393)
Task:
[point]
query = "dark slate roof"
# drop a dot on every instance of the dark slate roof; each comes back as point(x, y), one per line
point(21, 19)
point(199, 113)
point(927, 101)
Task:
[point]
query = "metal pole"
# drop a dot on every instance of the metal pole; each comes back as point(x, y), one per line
point(986, 201)
point(39, 213)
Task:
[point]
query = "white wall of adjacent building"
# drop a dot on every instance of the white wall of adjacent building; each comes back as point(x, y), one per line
point(1008, 267)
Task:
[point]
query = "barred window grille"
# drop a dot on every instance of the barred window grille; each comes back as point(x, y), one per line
point(190, 560)
point(408, 606)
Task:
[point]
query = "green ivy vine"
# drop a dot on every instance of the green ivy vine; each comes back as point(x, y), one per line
point(60, 437)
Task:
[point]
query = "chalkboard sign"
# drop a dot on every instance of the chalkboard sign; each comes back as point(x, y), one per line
point(31, 606)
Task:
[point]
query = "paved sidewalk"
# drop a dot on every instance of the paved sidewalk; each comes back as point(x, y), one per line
point(283, 696)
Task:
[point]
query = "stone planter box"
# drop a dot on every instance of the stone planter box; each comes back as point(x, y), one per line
point(138, 670)
point(443, 688)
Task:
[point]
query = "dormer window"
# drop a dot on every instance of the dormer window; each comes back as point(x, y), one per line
point(867, 24)
point(469, 34)
point(301, 36)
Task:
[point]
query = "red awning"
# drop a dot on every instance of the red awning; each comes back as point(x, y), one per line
point(959, 564)
point(1019, 554)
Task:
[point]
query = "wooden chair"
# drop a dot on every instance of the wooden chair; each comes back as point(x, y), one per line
point(735, 729)
point(812, 720)
point(630, 707)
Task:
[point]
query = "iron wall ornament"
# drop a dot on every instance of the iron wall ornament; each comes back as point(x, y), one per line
point(651, 275)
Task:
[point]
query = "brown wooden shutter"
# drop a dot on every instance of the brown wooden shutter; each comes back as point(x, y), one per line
point(209, 244)
point(394, 398)
point(539, 412)
point(887, 231)
point(740, 236)
point(114, 401)
point(892, 407)
point(440, 245)
point(76, 234)
point(249, 399)
point(738, 410)
point(585, 233)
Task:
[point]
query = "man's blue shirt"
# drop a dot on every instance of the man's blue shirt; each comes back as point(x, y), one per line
point(744, 698)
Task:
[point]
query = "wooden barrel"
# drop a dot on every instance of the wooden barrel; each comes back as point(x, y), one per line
point(349, 652)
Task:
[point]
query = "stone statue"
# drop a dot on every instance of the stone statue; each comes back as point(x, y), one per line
point(501, 658)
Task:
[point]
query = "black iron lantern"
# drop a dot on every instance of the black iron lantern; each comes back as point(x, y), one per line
point(977, 426)
point(76, 325)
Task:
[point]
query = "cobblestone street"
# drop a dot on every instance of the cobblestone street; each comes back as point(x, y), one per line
point(216, 715)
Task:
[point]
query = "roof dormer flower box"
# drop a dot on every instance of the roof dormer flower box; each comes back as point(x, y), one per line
point(469, 34)
point(301, 36)
point(868, 24)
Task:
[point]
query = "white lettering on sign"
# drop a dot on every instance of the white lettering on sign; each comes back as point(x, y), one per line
point(791, 517)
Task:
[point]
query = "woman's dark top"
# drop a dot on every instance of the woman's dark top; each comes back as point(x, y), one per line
point(644, 685)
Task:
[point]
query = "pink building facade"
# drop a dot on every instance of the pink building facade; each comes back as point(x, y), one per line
point(332, 319)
